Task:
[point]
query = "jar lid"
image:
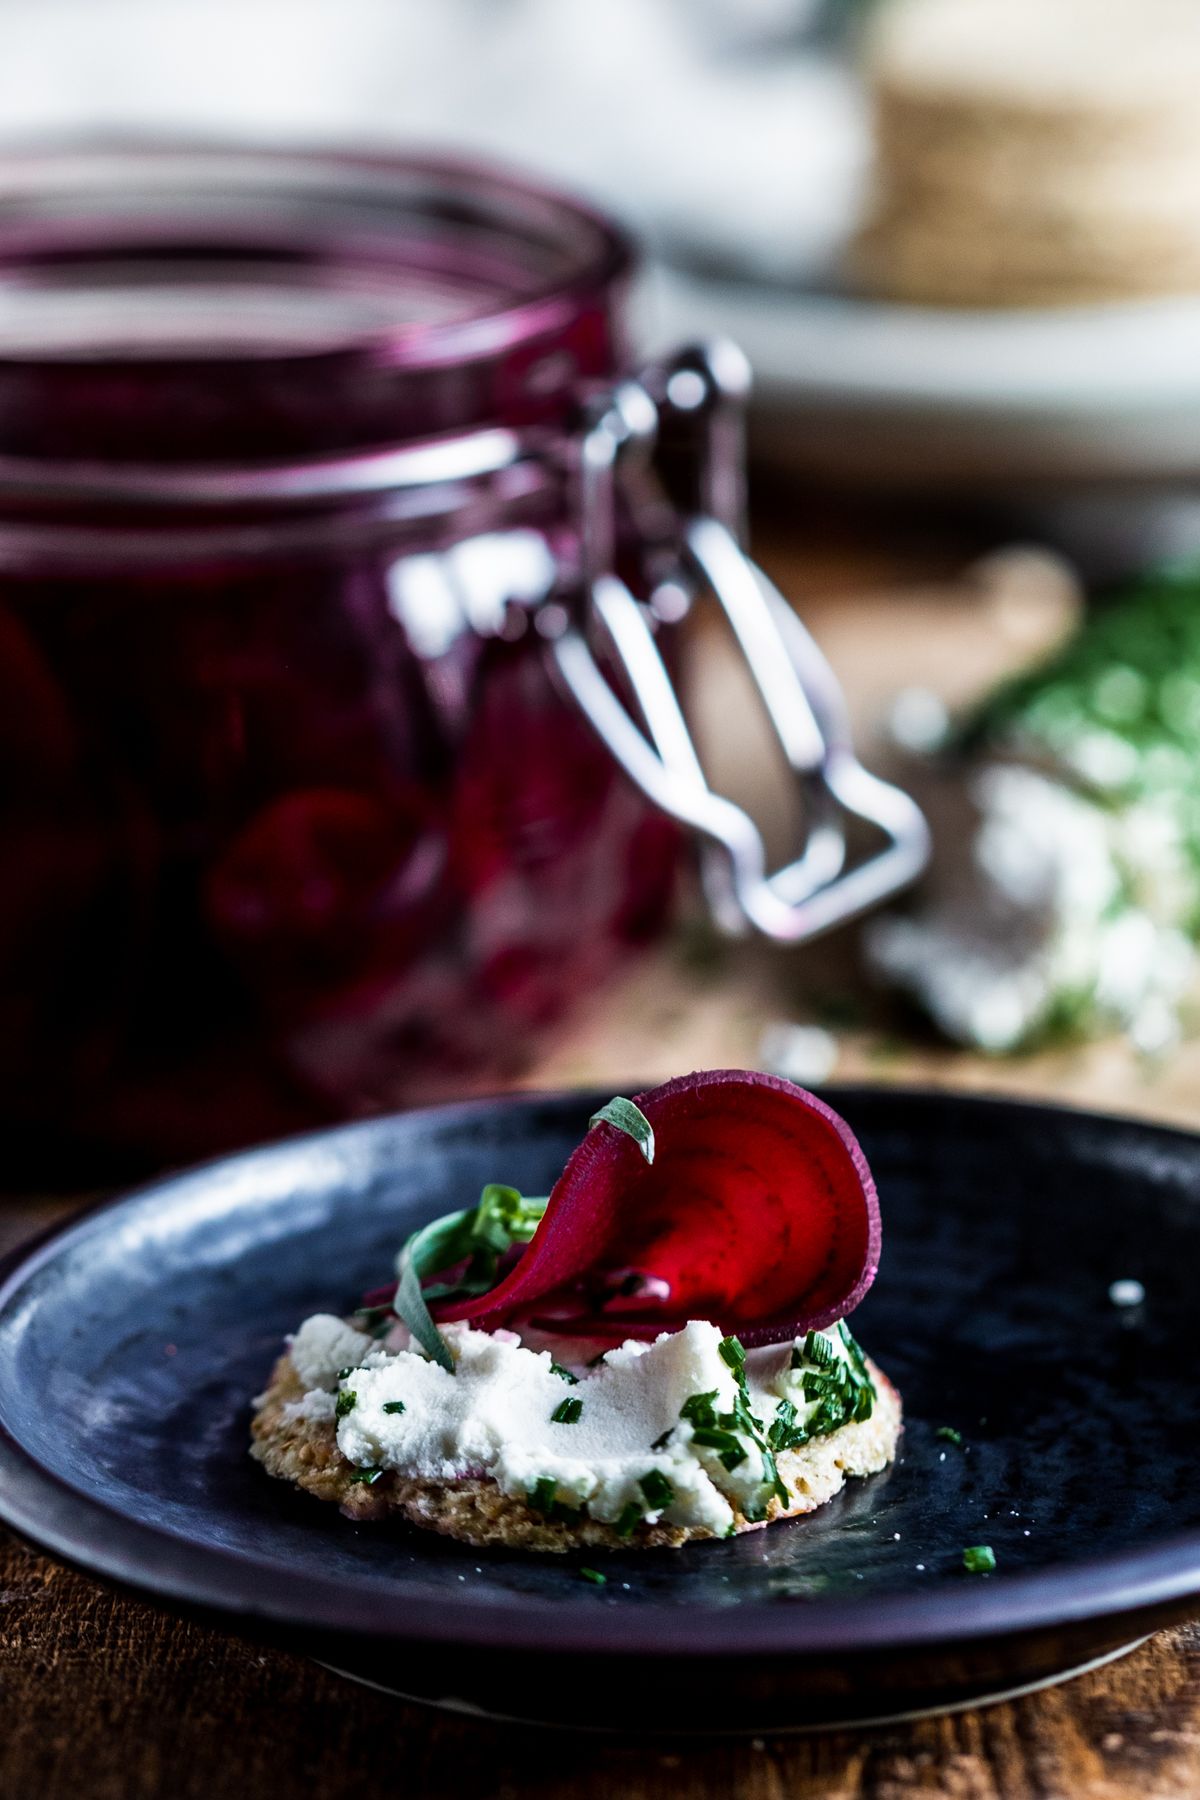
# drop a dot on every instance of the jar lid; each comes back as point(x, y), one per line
point(197, 305)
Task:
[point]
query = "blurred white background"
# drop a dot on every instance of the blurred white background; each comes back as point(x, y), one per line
point(717, 127)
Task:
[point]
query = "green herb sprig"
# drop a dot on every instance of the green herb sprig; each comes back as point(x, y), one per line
point(478, 1237)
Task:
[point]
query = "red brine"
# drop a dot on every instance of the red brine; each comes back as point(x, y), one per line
point(295, 824)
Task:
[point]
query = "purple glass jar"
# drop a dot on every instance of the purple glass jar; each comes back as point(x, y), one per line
point(339, 747)
point(296, 823)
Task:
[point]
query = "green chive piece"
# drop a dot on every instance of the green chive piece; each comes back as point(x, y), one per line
point(818, 1349)
point(979, 1559)
point(785, 1434)
point(342, 1373)
point(564, 1374)
point(368, 1477)
point(347, 1400)
point(657, 1489)
point(567, 1412)
point(595, 1576)
point(541, 1496)
point(732, 1354)
point(856, 1351)
point(663, 1439)
point(700, 1409)
point(630, 1519)
point(797, 1357)
point(393, 1406)
point(951, 1435)
point(817, 1386)
point(728, 1448)
point(771, 1479)
point(631, 1120)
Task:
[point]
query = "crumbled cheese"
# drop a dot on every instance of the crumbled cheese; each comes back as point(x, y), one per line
point(317, 1404)
point(1067, 908)
point(494, 1417)
point(324, 1346)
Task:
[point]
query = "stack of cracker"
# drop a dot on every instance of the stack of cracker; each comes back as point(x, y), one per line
point(1033, 152)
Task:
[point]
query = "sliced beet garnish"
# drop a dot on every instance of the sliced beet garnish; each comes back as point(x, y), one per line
point(758, 1213)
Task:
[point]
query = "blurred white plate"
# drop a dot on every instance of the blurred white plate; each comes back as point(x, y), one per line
point(863, 389)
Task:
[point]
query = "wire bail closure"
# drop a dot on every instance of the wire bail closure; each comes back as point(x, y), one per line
point(707, 386)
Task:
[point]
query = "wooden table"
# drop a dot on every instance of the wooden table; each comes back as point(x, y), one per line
point(103, 1697)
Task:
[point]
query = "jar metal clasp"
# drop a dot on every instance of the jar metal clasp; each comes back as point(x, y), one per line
point(705, 387)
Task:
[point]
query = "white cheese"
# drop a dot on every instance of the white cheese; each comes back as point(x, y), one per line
point(494, 1417)
point(324, 1346)
point(318, 1403)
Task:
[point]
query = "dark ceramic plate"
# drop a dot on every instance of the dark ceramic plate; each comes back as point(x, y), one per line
point(131, 1342)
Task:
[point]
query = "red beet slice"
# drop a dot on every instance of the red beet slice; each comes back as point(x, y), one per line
point(758, 1213)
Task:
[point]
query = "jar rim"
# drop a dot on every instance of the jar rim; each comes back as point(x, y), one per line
point(187, 306)
point(37, 184)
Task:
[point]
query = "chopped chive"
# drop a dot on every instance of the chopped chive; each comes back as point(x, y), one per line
point(541, 1496)
point(393, 1406)
point(700, 1409)
point(979, 1559)
point(771, 1479)
point(732, 1354)
point(367, 1476)
point(564, 1374)
point(347, 1400)
point(630, 1519)
point(567, 1412)
point(663, 1439)
point(797, 1357)
point(594, 1575)
point(951, 1435)
point(817, 1386)
point(631, 1120)
point(855, 1348)
point(657, 1489)
point(864, 1404)
point(728, 1448)
point(342, 1373)
point(785, 1434)
point(818, 1349)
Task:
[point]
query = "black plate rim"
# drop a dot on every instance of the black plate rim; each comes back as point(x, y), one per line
point(98, 1539)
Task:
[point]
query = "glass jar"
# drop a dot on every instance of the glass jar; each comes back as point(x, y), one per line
point(329, 540)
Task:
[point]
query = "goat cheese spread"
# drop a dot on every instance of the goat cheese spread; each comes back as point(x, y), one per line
point(682, 1429)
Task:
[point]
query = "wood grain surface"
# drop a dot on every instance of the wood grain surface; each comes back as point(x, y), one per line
point(104, 1698)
